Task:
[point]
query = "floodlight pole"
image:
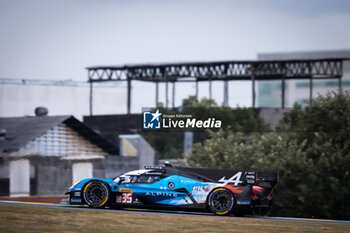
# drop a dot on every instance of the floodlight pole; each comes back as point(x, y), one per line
point(210, 90)
point(166, 94)
point(311, 87)
point(173, 100)
point(283, 69)
point(157, 93)
point(283, 90)
point(129, 96)
point(91, 86)
point(225, 93)
point(253, 86)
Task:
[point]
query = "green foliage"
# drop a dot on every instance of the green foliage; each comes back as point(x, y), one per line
point(310, 150)
point(193, 102)
point(169, 143)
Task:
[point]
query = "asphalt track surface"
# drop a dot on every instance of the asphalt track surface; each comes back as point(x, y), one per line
point(166, 212)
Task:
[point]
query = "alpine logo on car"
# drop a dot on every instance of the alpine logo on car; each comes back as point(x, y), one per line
point(161, 194)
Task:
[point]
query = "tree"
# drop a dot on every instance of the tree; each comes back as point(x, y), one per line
point(325, 126)
point(310, 150)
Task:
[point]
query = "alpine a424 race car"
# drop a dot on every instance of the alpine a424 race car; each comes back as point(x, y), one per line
point(220, 191)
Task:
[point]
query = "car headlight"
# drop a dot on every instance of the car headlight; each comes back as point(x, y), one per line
point(76, 194)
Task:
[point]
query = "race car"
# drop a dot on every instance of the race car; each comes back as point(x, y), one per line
point(220, 191)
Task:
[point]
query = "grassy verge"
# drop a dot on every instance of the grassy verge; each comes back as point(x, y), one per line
point(36, 219)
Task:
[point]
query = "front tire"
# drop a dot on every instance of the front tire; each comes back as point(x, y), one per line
point(221, 201)
point(96, 194)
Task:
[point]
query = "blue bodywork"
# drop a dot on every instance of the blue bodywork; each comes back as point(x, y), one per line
point(158, 192)
point(175, 187)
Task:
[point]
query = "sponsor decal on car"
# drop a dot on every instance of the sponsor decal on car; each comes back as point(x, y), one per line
point(243, 202)
point(155, 194)
point(171, 185)
point(201, 188)
point(127, 198)
point(125, 190)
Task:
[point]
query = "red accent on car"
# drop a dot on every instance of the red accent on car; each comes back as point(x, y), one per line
point(234, 189)
point(256, 189)
point(254, 196)
point(270, 195)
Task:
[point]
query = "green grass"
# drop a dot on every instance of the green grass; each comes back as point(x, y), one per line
point(38, 219)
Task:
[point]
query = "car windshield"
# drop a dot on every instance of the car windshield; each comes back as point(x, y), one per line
point(147, 179)
point(126, 179)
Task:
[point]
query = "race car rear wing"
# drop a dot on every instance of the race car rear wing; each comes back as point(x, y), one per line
point(269, 177)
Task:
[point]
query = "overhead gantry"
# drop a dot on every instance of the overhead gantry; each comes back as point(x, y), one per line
point(225, 71)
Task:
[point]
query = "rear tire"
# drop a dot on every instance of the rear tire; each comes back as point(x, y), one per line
point(96, 194)
point(221, 201)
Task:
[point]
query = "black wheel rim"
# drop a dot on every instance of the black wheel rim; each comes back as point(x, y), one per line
point(96, 194)
point(221, 201)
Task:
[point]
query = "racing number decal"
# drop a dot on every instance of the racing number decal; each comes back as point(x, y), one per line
point(236, 179)
point(127, 198)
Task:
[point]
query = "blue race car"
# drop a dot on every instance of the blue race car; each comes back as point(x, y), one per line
point(220, 191)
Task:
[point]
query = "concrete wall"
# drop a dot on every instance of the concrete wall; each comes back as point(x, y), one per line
point(53, 179)
point(116, 165)
point(4, 168)
point(99, 172)
point(4, 177)
point(134, 145)
point(146, 153)
point(54, 176)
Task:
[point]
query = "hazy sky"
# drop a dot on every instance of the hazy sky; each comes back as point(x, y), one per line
point(58, 39)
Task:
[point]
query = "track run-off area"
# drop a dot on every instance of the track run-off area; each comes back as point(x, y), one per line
point(167, 212)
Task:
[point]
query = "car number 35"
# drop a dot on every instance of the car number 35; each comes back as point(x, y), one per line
point(127, 198)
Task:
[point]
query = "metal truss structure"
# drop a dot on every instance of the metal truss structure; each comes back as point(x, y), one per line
point(219, 71)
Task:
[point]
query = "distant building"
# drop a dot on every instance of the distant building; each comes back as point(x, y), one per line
point(19, 97)
point(269, 92)
point(44, 155)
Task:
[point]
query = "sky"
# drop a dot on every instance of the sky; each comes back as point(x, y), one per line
point(57, 40)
